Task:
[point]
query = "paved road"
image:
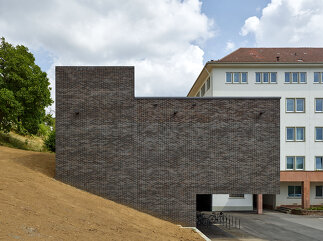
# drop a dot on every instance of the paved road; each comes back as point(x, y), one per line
point(281, 226)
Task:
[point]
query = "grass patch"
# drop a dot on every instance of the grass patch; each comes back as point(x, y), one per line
point(30, 143)
point(316, 208)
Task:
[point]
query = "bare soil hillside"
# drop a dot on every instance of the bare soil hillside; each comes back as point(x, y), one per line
point(34, 206)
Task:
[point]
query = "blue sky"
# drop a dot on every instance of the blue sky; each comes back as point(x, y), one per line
point(229, 17)
point(168, 41)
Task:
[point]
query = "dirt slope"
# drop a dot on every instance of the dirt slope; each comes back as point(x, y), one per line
point(34, 206)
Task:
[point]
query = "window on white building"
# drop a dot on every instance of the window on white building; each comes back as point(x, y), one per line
point(295, 77)
point(318, 77)
point(244, 78)
point(237, 77)
point(295, 162)
point(299, 165)
point(208, 84)
point(318, 133)
point(228, 77)
point(295, 133)
point(273, 77)
point(319, 191)
point(319, 105)
point(319, 163)
point(302, 77)
point(266, 77)
point(294, 191)
point(290, 162)
point(236, 195)
point(203, 90)
point(295, 105)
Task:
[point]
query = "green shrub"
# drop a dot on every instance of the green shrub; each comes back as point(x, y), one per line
point(43, 130)
point(50, 141)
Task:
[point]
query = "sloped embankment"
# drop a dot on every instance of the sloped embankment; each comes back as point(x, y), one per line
point(34, 206)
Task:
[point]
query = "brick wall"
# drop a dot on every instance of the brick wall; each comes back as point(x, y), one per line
point(156, 154)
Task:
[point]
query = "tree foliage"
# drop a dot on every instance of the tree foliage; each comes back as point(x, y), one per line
point(24, 90)
point(50, 141)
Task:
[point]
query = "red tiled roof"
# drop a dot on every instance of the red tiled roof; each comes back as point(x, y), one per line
point(274, 55)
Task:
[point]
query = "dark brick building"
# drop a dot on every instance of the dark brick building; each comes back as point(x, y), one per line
point(156, 154)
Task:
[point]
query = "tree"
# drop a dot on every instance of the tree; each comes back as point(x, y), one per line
point(24, 90)
point(50, 142)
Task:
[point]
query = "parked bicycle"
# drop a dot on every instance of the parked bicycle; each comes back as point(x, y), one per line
point(202, 219)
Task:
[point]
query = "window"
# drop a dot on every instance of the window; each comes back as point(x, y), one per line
point(273, 77)
point(208, 84)
point(299, 163)
point(228, 77)
point(319, 163)
point(236, 77)
point(295, 77)
point(287, 77)
point(290, 162)
point(295, 133)
point(236, 195)
point(258, 77)
point(318, 77)
point(295, 162)
point(318, 133)
point(302, 77)
point(318, 105)
point(319, 191)
point(203, 90)
point(266, 77)
point(295, 105)
point(294, 191)
point(244, 77)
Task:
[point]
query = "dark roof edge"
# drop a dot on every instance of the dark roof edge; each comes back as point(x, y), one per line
point(208, 98)
point(219, 62)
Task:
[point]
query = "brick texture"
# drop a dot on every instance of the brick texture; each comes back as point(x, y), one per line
point(156, 154)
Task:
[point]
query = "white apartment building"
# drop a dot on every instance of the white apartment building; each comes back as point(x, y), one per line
point(295, 75)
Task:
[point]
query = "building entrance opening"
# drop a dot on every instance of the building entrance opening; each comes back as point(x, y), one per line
point(203, 202)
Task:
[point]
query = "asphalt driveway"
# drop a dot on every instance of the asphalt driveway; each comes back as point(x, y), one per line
point(272, 226)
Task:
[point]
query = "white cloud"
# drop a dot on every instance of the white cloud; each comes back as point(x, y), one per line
point(160, 38)
point(250, 25)
point(288, 23)
point(230, 46)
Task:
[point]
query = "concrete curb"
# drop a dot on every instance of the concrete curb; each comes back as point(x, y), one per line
point(198, 231)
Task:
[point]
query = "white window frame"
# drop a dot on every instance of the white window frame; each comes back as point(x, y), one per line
point(294, 163)
point(291, 78)
point(320, 78)
point(317, 169)
point(295, 134)
point(295, 105)
point(232, 77)
point(315, 134)
point(320, 111)
point(262, 78)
